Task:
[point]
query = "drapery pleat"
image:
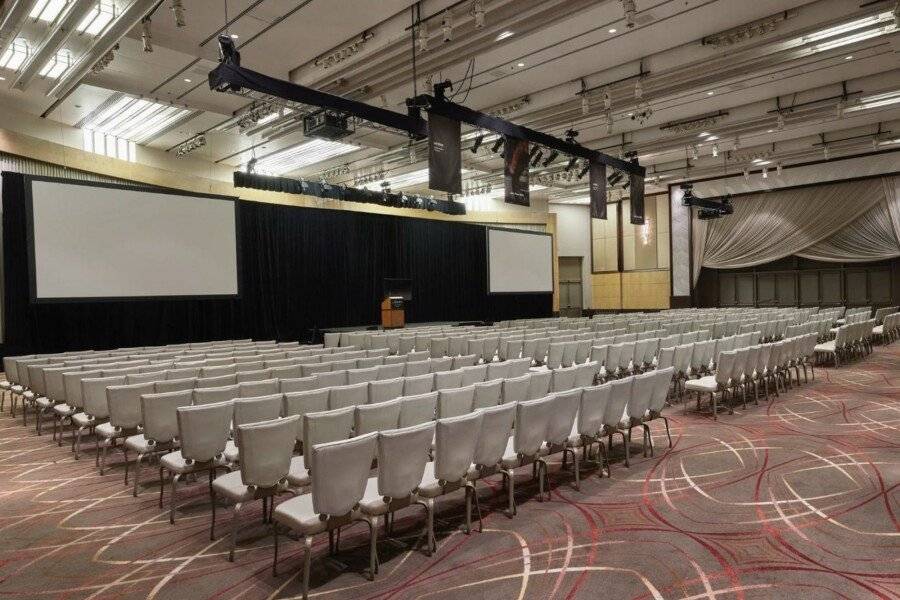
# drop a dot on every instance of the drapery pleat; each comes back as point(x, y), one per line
point(870, 237)
point(891, 187)
point(698, 235)
point(773, 225)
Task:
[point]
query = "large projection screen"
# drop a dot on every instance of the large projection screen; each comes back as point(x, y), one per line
point(519, 262)
point(92, 241)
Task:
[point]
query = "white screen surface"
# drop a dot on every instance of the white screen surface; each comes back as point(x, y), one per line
point(102, 242)
point(519, 262)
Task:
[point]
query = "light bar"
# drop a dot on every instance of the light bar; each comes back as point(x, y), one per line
point(856, 37)
point(47, 10)
point(302, 155)
point(404, 180)
point(57, 65)
point(875, 101)
point(100, 16)
point(15, 55)
point(848, 26)
point(135, 119)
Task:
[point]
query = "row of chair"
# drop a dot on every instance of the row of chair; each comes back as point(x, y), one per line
point(850, 340)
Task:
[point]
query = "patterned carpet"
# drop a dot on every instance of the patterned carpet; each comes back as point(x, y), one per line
point(797, 498)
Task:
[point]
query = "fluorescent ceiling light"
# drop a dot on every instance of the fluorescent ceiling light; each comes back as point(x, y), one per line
point(272, 116)
point(848, 26)
point(875, 101)
point(15, 55)
point(505, 34)
point(302, 155)
point(47, 10)
point(100, 16)
point(135, 119)
point(404, 180)
point(856, 37)
point(57, 65)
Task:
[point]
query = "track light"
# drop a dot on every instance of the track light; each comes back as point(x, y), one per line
point(780, 122)
point(496, 147)
point(447, 26)
point(553, 156)
point(478, 141)
point(585, 105)
point(412, 152)
point(422, 37)
point(839, 109)
point(715, 150)
point(584, 170)
point(765, 172)
point(478, 13)
point(537, 157)
point(571, 164)
point(609, 123)
point(778, 169)
point(607, 100)
point(615, 178)
point(826, 151)
point(146, 34)
point(695, 152)
point(630, 11)
point(178, 11)
point(251, 165)
point(638, 90)
point(746, 174)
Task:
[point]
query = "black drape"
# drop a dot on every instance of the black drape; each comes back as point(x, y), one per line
point(301, 269)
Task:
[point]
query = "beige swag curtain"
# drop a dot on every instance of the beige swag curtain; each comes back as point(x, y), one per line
point(854, 221)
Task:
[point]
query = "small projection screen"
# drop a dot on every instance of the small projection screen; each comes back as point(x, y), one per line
point(92, 241)
point(519, 262)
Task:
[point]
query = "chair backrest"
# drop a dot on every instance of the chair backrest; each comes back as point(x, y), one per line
point(594, 400)
point(215, 395)
point(725, 367)
point(661, 383)
point(466, 360)
point(388, 389)
point(266, 449)
point(564, 410)
point(263, 387)
point(586, 373)
point(682, 359)
point(159, 416)
point(496, 425)
point(518, 367)
point(257, 409)
point(417, 409)
point(183, 373)
point(619, 396)
point(563, 379)
point(348, 395)
point(256, 375)
point(301, 403)
point(124, 403)
point(402, 456)
point(174, 385)
point(94, 391)
point(382, 416)
point(331, 379)
point(203, 430)
point(420, 384)
point(363, 375)
point(455, 441)
point(447, 380)
point(297, 384)
point(496, 370)
point(487, 393)
point(539, 384)
point(515, 389)
point(327, 426)
point(216, 382)
point(412, 369)
point(473, 374)
point(391, 371)
point(72, 383)
point(532, 417)
point(456, 401)
point(339, 472)
point(641, 394)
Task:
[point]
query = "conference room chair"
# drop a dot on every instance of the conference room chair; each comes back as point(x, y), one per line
point(518, 366)
point(440, 347)
point(333, 378)
point(125, 418)
point(497, 370)
point(555, 355)
point(382, 416)
point(637, 406)
point(718, 383)
point(447, 379)
point(582, 350)
point(95, 410)
point(175, 385)
point(560, 423)
point(515, 389)
point(563, 379)
point(417, 368)
point(394, 360)
point(251, 410)
point(437, 365)
point(183, 372)
point(490, 448)
point(215, 395)
point(669, 341)
point(474, 347)
point(202, 434)
point(509, 349)
point(380, 352)
point(455, 402)
point(343, 396)
point(332, 340)
point(361, 375)
point(586, 374)
point(340, 472)
point(255, 375)
point(661, 383)
point(539, 384)
point(418, 409)
point(527, 442)
point(619, 395)
point(588, 427)
point(529, 349)
point(315, 368)
point(387, 389)
point(286, 372)
point(738, 373)
point(319, 428)
point(301, 403)
point(146, 377)
point(682, 363)
point(420, 384)
point(473, 374)
point(465, 360)
point(542, 347)
point(418, 356)
point(216, 371)
point(370, 361)
point(219, 381)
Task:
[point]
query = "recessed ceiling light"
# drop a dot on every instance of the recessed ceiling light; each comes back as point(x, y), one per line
point(521, 64)
point(703, 134)
point(504, 34)
point(234, 36)
point(770, 131)
point(186, 80)
point(710, 93)
point(848, 57)
point(613, 30)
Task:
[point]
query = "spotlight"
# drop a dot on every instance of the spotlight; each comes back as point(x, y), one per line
point(251, 165)
point(584, 170)
point(778, 169)
point(780, 122)
point(630, 11)
point(447, 27)
point(146, 34)
point(715, 150)
point(536, 158)
point(609, 123)
point(638, 90)
point(839, 109)
point(178, 11)
point(422, 37)
point(478, 13)
point(496, 147)
point(615, 178)
point(765, 172)
point(746, 174)
point(553, 155)
point(534, 150)
point(478, 141)
point(826, 151)
point(607, 100)
point(571, 164)
point(585, 105)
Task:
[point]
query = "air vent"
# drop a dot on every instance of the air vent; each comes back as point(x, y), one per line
point(644, 18)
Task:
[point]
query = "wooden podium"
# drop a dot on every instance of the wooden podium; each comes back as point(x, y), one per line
point(392, 315)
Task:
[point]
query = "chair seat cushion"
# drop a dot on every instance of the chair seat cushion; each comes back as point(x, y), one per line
point(28, 395)
point(825, 347)
point(232, 452)
point(511, 460)
point(833, 330)
point(176, 463)
point(64, 410)
point(109, 431)
point(5, 385)
point(372, 503)
point(878, 330)
point(84, 420)
point(232, 487)
point(298, 475)
point(43, 402)
point(298, 514)
point(139, 443)
point(17, 389)
point(431, 487)
point(704, 384)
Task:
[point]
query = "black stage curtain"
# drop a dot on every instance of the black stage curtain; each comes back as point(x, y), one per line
point(301, 269)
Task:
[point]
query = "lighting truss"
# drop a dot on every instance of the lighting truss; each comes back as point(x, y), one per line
point(47, 10)
point(404, 180)
point(100, 16)
point(302, 155)
point(135, 119)
point(15, 55)
point(875, 101)
point(57, 65)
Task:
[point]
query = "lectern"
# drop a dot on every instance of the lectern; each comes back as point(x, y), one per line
point(392, 315)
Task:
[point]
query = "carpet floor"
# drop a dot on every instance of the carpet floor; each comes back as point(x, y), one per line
point(794, 498)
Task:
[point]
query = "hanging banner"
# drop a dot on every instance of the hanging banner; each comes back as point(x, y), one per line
point(444, 161)
point(515, 171)
point(637, 199)
point(598, 190)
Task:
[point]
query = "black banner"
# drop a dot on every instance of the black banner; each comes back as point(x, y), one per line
point(444, 161)
point(598, 190)
point(637, 199)
point(515, 171)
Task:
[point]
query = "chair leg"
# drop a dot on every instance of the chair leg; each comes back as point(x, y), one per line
point(275, 555)
point(78, 443)
point(161, 487)
point(627, 442)
point(668, 435)
point(102, 450)
point(373, 549)
point(212, 521)
point(468, 523)
point(175, 478)
point(647, 433)
point(235, 525)
point(510, 492)
point(307, 559)
point(577, 470)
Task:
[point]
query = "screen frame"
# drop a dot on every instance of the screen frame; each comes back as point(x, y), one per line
point(487, 250)
point(29, 235)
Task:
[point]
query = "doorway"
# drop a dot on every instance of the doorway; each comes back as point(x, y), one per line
point(570, 286)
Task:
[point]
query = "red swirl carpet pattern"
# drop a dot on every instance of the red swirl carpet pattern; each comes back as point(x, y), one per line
point(794, 498)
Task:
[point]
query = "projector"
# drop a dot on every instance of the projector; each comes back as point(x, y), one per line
point(326, 124)
point(709, 209)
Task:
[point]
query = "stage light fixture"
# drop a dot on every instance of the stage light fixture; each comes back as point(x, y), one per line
point(478, 13)
point(496, 147)
point(251, 165)
point(585, 105)
point(615, 178)
point(765, 172)
point(146, 34)
point(778, 168)
point(553, 156)
point(607, 100)
point(630, 11)
point(780, 122)
point(638, 90)
point(422, 37)
point(534, 150)
point(537, 158)
point(571, 164)
point(178, 11)
point(478, 141)
point(715, 150)
point(447, 27)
